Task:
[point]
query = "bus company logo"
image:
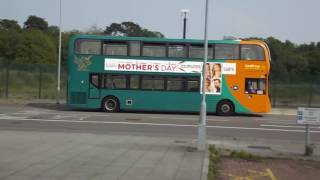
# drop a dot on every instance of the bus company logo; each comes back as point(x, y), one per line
point(83, 62)
point(254, 67)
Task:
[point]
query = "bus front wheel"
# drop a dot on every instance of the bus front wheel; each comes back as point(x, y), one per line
point(225, 108)
point(110, 104)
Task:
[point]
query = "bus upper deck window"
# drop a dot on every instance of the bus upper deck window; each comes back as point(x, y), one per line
point(154, 50)
point(226, 51)
point(179, 51)
point(252, 52)
point(115, 48)
point(135, 48)
point(197, 51)
point(88, 46)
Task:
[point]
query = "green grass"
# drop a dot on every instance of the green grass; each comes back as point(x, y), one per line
point(244, 155)
point(214, 158)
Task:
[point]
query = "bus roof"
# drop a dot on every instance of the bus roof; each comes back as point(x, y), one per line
point(146, 39)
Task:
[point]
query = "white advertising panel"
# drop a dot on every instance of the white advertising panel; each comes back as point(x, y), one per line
point(152, 66)
point(229, 68)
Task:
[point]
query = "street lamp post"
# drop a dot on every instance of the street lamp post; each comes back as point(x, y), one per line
point(184, 12)
point(202, 134)
point(59, 60)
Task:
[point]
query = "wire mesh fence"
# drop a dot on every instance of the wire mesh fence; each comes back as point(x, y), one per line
point(31, 81)
point(295, 93)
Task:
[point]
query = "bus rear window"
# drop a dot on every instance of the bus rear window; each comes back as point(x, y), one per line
point(255, 86)
point(88, 46)
point(252, 52)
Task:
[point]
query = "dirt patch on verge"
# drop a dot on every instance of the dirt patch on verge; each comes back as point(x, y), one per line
point(267, 169)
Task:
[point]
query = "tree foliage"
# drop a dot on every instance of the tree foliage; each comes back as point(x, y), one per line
point(34, 22)
point(130, 29)
point(7, 24)
point(35, 48)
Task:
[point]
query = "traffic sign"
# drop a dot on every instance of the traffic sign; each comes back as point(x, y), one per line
point(308, 115)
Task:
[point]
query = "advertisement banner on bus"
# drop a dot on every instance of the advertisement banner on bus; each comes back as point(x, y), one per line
point(152, 66)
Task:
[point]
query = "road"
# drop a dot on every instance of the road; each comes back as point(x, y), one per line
point(44, 117)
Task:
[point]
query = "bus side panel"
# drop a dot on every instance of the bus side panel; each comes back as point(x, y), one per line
point(156, 100)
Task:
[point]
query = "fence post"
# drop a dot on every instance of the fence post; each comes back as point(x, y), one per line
point(310, 94)
point(7, 82)
point(40, 82)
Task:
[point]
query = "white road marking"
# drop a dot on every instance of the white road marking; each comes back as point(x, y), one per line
point(280, 123)
point(186, 118)
point(265, 119)
point(159, 124)
point(60, 113)
point(281, 126)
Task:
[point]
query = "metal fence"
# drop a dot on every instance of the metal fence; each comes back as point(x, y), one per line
point(295, 93)
point(31, 81)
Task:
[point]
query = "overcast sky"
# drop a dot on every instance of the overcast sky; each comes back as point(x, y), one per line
point(294, 20)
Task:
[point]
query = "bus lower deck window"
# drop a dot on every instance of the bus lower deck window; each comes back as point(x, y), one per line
point(175, 84)
point(114, 81)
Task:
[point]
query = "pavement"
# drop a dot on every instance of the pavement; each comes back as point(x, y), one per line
point(80, 156)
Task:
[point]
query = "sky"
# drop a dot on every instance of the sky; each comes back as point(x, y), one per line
point(294, 20)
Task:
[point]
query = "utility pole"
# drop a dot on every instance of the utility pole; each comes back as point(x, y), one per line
point(59, 61)
point(184, 13)
point(202, 134)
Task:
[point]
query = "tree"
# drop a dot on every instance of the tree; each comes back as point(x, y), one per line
point(7, 24)
point(66, 36)
point(53, 31)
point(130, 29)
point(36, 47)
point(9, 41)
point(34, 22)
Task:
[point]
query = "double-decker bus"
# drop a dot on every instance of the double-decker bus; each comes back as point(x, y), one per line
point(158, 74)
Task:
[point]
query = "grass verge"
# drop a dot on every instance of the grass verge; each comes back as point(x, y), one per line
point(214, 158)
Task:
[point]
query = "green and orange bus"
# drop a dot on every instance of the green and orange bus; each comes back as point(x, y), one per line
point(158, 74)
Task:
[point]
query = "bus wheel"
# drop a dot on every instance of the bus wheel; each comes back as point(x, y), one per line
point(110, 104)
point(225, 108)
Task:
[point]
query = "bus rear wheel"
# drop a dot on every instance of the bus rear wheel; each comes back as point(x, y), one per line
point(225, 108)
point(110, 104)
